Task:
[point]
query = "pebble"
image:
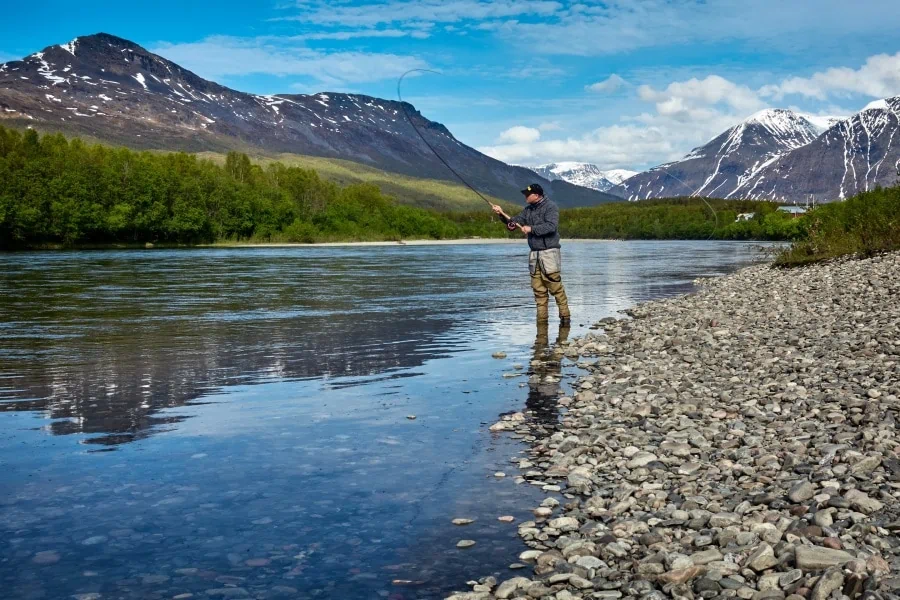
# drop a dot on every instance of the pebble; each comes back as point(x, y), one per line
point(463, 521)
point(738, 442)
point(47, 557)
point(465, 543)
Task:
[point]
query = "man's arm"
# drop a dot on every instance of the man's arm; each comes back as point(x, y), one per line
point(511, 222)
point(549, 223)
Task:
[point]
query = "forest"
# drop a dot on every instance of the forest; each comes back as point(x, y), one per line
point(56, 192)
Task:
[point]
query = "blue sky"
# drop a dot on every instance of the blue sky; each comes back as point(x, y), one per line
point(621, 84)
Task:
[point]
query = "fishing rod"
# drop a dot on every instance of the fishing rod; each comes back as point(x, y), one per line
point(477, 193)
point(430, 147)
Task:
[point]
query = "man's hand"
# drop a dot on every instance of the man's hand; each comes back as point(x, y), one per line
point(496, 208)
point(525, 228)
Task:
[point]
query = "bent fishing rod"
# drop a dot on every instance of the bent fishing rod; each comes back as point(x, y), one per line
point(491, 204)
point(426, 142)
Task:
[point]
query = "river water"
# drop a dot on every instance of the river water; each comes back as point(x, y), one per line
point(235, 422)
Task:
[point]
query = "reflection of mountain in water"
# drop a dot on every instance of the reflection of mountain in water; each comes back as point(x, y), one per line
point(119, 393)
point(102, 351)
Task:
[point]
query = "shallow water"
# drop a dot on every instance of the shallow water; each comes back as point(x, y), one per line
point(187, 421)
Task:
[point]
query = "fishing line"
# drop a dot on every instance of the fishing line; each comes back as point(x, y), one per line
point(693, 193)
point(477, 193)
point(430, 147)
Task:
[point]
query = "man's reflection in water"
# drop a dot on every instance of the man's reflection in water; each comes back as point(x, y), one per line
point(546, 375)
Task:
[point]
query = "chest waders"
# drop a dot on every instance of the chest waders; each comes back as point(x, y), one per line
point(546, 278)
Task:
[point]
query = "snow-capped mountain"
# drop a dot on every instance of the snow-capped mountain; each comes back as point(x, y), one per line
point(722, 167)
point(854, 155)
point(583, 174)
point(114, 90)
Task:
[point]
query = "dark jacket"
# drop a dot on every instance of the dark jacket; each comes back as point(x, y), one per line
point(543, 218)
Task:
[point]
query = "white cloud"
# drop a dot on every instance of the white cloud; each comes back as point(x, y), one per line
point(685, 114)
point(689, 113)
point(617, 146)
point(879, 77)
point(550, 126)
point(221, 56)
point(519, 135)
point(691, 99)
point(608, 85)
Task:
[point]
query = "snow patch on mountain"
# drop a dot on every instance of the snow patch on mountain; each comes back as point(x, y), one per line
point(822, 122)
point(70, 47)
point(583, 174)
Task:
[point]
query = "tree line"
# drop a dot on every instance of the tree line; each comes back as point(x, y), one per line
point(67, 192)
point(60, 192)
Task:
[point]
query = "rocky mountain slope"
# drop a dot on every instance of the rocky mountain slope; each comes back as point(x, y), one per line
point(113, 90)
point(722, 166)
point(787, 157)
point(584, 174)
point(854, 155)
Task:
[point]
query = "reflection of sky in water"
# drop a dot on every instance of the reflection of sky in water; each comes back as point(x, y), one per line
point(264, 393)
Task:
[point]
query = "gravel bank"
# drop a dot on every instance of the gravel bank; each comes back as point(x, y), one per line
point(740, 442)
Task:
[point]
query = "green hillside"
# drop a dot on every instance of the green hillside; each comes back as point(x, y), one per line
point(431, 194)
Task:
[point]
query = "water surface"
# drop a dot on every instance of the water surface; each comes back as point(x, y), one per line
point(187, 421)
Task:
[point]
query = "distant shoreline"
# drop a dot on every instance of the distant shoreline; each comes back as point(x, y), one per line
point(459, 242)
point(453, 242)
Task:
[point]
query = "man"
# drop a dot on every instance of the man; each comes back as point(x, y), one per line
point(540, 220)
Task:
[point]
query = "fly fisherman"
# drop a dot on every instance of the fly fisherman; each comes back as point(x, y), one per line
point(540, 220)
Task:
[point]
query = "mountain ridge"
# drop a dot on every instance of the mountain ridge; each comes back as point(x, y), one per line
point(722, 166)
point(854, 155)
point(114, 90)
point(584, 174)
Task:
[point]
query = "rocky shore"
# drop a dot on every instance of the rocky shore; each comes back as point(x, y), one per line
point(739, 442)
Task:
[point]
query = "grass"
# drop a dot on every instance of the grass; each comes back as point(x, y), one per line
point(862, 226)
point(432, 194)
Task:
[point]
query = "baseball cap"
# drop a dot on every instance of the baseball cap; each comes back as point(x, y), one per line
point(534, 188)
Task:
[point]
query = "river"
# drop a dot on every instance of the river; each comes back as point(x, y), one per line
point(237, 422)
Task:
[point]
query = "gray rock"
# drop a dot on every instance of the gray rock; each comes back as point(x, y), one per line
point(862, 502)
point(802, 491)
point(830, 581)
point(565, 524)
point(510, 586)
point(790, 577)
point(641, 459)
point(815, 558)
point(762, 558)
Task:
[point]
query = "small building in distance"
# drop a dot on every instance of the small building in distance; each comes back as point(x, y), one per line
point(744, 217)
point(794, 211)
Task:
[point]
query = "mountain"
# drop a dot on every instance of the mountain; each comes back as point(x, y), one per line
point(113, 90)
point(852, 156)
point(583, 174)
point(721, 167)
